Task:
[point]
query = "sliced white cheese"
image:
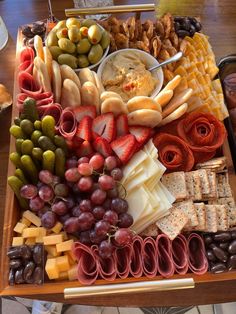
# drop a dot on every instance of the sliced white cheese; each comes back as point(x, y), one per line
point(136, 160)
point(137, 201)
point(169, 196)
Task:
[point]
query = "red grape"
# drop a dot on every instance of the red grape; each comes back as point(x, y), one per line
point(98, 197)
point(111, 217)
point(48, 220)
point(84, 237)
point(28, 191)
point(61, 190)
point(46, 176)
point(110, 163)
point(113, 193)
point(125, 220)
point(85, 206)
point(117, 174)
point(94, 238)
point(36, 203)
point(95, 186)
point(76, 211)
point(107, 204)
point(106, 182)
point(119, 205)
point(56, 180)
point(60, 208)
point(85, 169)
point(85, 221)
point(98, 212)
point(70, 202)
point(63, 218)
point(102, 227)
point(83, 160)
point(105, 249)
point(72, 175)
point(123, 236)
point(71, 225)
point(71, 163)
point(46, 193)
point(43, 210)
point(97, 161)
point(85, 184)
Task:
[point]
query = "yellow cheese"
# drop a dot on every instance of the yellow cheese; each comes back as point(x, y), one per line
point(16, 241)
point(32, 218)
point(63, 263)
point(72, 272)
point(63, 275)
point(30, 241)
point(65, 246)
point(51, 249)
point(19, 227)
point(39, 239)
point(31, 232)
point(42, 231)
point(25, 221)
point(52, 269)
point(52, 239)
point(57, 228)
point(64, 235)
point(71, 257)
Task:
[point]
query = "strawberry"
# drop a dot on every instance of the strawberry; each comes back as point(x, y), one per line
point(102, 146)
point(122, 127)
point(83, 111)
point(141, 133)
point(85, 149)
point(104, 126)
point(73, 143)
point(84, 130)
point(124, 147)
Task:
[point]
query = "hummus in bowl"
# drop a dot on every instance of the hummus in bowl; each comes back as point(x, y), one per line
point(126, 73)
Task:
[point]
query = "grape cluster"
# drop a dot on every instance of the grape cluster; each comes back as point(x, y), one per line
point(87, 203)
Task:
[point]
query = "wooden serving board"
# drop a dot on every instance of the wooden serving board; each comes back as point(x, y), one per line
point(209, 288)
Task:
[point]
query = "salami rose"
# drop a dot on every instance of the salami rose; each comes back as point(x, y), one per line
point(26, 59)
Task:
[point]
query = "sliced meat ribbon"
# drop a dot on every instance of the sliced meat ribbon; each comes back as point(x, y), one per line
point(68, 124)
point(26, 60)
point(45, 98)
point(165, 264)
point(106, 266)
point(28, 85)
point(88, 266)
point(197, 260)
point(173, 152)
point(136, 262)
point(180, 254)
point(54, 110)
point(122, 258)
point(149, 257)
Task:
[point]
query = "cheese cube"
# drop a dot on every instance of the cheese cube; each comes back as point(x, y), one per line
point(42, 231)
point(30, 241)
point(72, 272)
point(63, 275)
point(57, 228)
point(52, 239)
point(63, 263)
point(39, 239)
point(19, 227)
point(64, 235)
point(50, 256)
point(71, 257)
point(16, 241)
point(52, 269)
point(65, 246)
point(51, 249)
point(25, 221)
point(32, 218)
point(31, 232)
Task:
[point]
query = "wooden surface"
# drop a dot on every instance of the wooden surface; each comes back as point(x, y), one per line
point(218, 19)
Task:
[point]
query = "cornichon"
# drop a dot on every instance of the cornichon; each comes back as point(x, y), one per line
point(45, 143)
point(16, 184)
point(17, 121)
point(48, 126)
point(27, 126)
point(37, 153)
point(15, 158)
point(59, 141)
point(30, 168)
point(27, 147)
point(49, 160)
point(17, 132)
point(35, 137)
point(18, 144)
point(37, 125)
point(29, 110)
point(20, 174)
point(60, 162)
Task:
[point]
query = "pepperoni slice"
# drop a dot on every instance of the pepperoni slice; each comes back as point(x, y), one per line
point(179, 254)
point(165, 264)
point(173, 152)
point(28, 85)
point(68, 124)
point(149, 257)
point(197, 260)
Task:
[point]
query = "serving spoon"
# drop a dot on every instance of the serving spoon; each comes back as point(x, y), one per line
point(174, 58)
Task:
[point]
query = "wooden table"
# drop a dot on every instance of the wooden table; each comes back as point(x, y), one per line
point(218, 19)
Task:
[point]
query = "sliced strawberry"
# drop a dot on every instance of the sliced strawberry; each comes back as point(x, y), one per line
point(74, 143)
point(122, 127)
point(85, 149)
point(83, 111)
point(141, 133)
point(104, 126)
point(95, 135)
point(84, 130)
point(102, 146)
point(124, 147)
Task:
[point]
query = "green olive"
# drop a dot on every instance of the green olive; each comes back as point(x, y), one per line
point(55, 52)
point(82, 61)
point(62, 33)
point(52, 39)
point(72, 21)
point(59, 25)
point(83, 46)
point(84, 31)
point(95, 54)
point(94, 34)
point(74, 34)
point(88, 22)
point(66, 45)
point(68, 59)
point(105, 41)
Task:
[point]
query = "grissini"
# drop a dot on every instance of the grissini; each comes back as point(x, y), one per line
point(114, 105)
point(176, 114)
point(142, 102)
point(43, 72)
point(68, 72)
point(70, 94)
point(90, 95)
point(145, 117)
point(38, 46)
point(56, 81)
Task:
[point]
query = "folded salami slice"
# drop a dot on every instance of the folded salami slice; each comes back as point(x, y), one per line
point(165, 264)
point(149, 257)
point(68, 124)
point(54, 110)
point(43, 99)
point(180, 254)
point(197, 260)
point(122, 258)
point(88, 266)
point(136, 262)
point(106, 266)
point(26, 60)
point(28, 85)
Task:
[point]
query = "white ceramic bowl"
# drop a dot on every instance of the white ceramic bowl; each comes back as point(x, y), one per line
point(146, 58)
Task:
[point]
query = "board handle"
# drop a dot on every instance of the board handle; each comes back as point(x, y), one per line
point(125, 288)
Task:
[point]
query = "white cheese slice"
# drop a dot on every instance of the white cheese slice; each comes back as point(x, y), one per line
point(136, 160)
point(169, 196)
point(137, 201)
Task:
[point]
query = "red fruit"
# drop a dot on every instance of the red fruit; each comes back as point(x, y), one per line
point(74, 143)
point(122, 127)
point(102, 146)
point(104, 126)
point(95, 135)
point(124, 147)
point(83, 111)
point(84, 130)
point(141, 133)
point(85, 149)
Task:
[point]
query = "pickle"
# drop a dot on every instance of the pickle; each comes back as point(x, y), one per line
point(49, 160)
point(48, 126)
point(45, 143)
point(27, 126)
point(60, 162)
point(18, 144)
point(30, 168)
point(17, 121)
point(37, 124)
point(16, 184)
point(35, 137)
point(29, 110)
point(17, 132)
point(20, 174)
point(59, 141)
point(26, 147)
point(37, 153)
point(15, 158)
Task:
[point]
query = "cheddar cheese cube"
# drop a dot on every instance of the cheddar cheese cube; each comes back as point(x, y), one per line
point(72, 258)
point(72, 272)
point(30, 241)
point(39, 239)
point(52, 269)
point(35, 220)
point(25, 221)
point(65, 246)
point(52, 239)
point(51, 249)
point(63, 263)
point(16, 241)
point(57, 228)
point(19, 227)
point(31, 232)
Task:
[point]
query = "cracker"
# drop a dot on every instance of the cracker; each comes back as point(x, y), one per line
point(150, 231)
point(189, 184)
point(201, 216)
point(175, 183)
point(222, 214)
point(213, 187)
point(211, 218)
point(215, 164)
point(196, 185)
point(172, 224)
point(230, 204)
point(189, 210)
point(205, 184)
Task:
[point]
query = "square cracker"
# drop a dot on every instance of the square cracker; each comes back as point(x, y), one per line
point(175, 183)
point(196, 185)
point(189, 210)
point(205, 184)
point(211, 218)
point(172, 224)
point(189, 184)
point(213, 184)
point(201, 216)
point(223, 220)
point(230, 204)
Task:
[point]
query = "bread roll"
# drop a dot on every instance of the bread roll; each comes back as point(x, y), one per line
point(114, 105)
point(145, 117)
point(90, 95)
point(70, 94)
point(68, 72)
